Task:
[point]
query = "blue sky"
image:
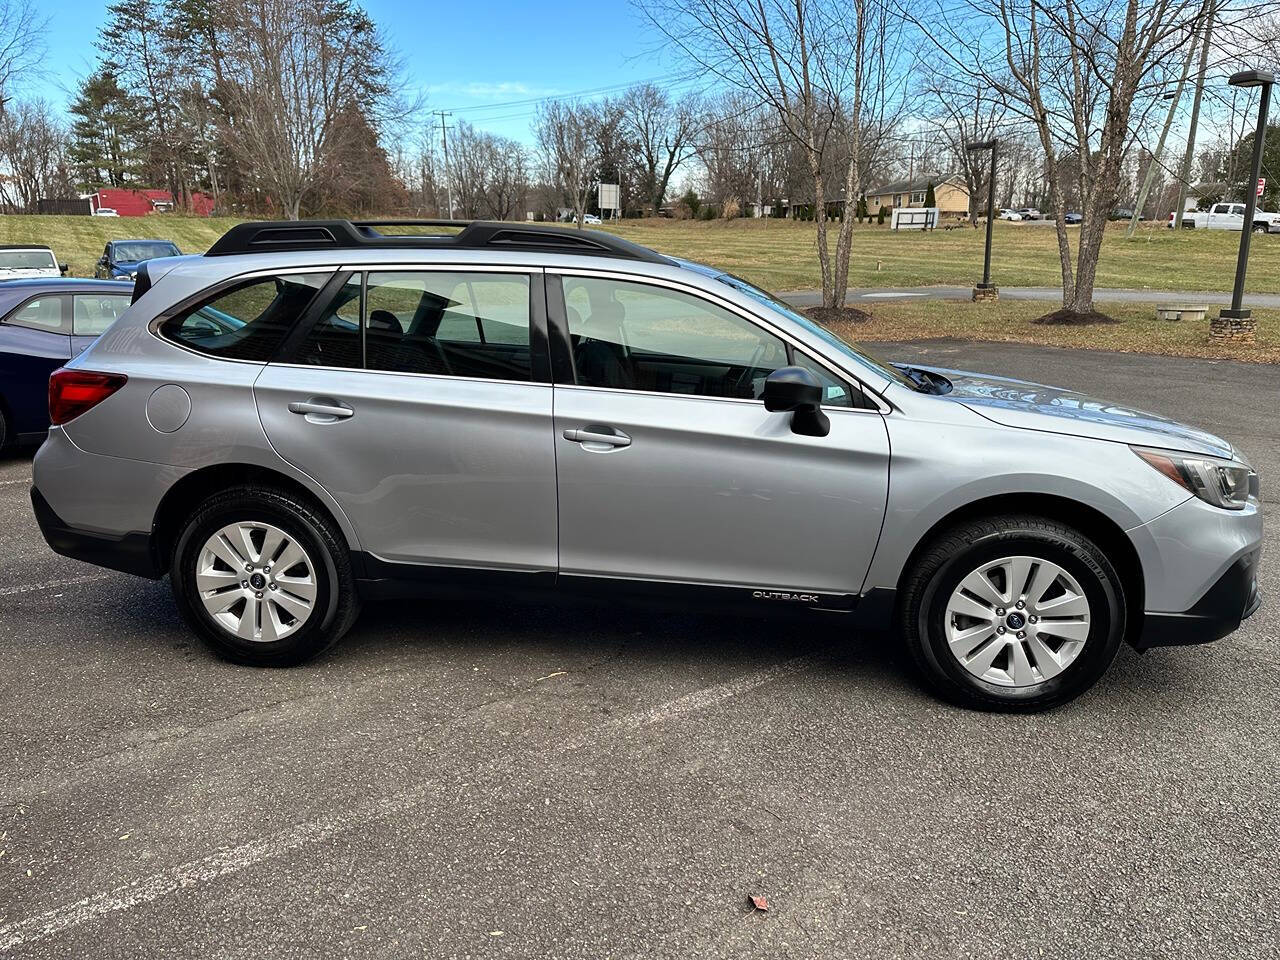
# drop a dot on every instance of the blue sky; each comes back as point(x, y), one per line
point(483, 60)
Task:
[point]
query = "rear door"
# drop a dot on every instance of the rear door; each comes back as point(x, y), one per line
point(421, 400)
point(670, 468)
point(34, 341)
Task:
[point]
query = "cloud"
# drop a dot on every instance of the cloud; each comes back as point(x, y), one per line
point(507, 90)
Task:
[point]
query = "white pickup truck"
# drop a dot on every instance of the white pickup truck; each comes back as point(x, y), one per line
point(1228, 216)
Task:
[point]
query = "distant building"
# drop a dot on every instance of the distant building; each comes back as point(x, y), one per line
point(139, 203)
point(949, 192)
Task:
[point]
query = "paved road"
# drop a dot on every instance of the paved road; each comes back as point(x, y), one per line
point(813, 298)
point(520, 780)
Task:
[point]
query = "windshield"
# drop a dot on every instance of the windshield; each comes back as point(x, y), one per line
point(27, 260)
point(856, 353)
point(136, 250)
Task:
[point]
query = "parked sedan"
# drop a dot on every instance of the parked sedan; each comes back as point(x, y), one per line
point(120, 258)
point(1073, 218)
point(1012, 215)
point(43, 324)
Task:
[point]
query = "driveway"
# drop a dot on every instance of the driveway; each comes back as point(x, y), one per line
point(468, 778)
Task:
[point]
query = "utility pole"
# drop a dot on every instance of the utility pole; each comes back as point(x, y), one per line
point(444, 139)
point(1184, 173)
point(760, 196)
point(1174, 99)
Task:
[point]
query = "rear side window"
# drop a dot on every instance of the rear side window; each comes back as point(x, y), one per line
point(43, 313)
point(248, 321)
point(92, 313)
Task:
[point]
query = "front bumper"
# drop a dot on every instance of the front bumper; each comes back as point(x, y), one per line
point(1231, 600)
point(130, 553)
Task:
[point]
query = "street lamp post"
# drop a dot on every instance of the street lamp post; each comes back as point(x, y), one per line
point(986, 290)
point(1237, 323)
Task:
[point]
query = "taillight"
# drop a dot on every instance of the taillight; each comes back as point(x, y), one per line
point(72, 392)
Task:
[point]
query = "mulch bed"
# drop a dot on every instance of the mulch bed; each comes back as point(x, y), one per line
point(829, 315)
point(1065, 317)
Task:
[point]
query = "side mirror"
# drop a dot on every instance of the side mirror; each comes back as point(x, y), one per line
point(62, 269)
point(797, 390)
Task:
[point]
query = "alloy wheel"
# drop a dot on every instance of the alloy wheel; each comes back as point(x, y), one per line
point(255, 581)
point(1017, 621)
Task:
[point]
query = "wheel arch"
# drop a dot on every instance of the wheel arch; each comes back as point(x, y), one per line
point(193, 488)
point(1090, 521)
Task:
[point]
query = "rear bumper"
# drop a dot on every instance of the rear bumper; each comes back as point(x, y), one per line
point(1230, 601)
point(130, 553)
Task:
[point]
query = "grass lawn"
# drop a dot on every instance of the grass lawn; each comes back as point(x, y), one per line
point(1010, 321)
point(780, 255)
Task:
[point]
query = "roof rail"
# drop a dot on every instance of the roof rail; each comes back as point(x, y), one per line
point(281, 235)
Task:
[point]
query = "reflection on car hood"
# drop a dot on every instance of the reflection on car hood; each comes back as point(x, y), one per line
point(1034, 406)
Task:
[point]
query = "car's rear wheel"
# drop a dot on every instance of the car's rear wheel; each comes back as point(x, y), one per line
point(1013, 613)
point(263, 577)
point(4, 429)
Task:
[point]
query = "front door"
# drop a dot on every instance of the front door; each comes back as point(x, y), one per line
point(420, 400)
point(671, 469)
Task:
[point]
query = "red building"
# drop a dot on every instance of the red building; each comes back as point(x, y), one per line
point(138, 203)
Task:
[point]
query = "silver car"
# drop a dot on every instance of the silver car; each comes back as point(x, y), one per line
point(316, 415)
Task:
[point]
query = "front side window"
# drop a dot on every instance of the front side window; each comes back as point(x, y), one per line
point(449, 323)
point(249, 321)
point(631, 336)
point(43, 313)
point(92, 313)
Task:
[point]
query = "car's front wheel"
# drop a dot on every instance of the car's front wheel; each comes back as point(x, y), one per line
point(263, 577)
point(1013, 613)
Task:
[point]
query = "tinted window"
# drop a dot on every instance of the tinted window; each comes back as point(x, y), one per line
point(246, 322)
point(635, 337)
point(92, 313)
point(44, 313)
point(447, 323)
point(335, 339)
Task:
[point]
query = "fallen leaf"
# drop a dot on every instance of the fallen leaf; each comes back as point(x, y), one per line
point(760, 903)
point(125, 837)
point(558, 673)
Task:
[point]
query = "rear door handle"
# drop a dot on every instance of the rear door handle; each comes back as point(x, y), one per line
point(596, 434)
point(323, 410)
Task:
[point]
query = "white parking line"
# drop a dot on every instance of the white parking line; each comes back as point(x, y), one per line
point(32, 587)
point(234, 859)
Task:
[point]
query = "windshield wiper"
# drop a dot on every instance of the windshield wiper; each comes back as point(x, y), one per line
point(925, 381)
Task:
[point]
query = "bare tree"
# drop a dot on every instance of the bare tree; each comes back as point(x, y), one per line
point(33, 152)
point(1084, 74)
point(965, 112)
point(663, 131)
point(567, 135)
point(831, 71)
point(22, 29)
point(490, 173)
point(292, 68)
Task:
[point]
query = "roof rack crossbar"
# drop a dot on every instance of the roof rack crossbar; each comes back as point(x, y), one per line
point(282, 235)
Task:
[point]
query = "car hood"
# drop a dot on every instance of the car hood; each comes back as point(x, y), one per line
point(1035, 406)
point(27, 273)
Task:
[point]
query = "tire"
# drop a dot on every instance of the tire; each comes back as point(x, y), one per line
point(277, 616)
point(1050, 665)
point(4, 429)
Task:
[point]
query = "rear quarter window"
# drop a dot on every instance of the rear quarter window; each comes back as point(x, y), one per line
point(247, 321)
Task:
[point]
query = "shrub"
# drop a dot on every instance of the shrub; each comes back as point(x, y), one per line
point(732, 209)
point(929, 199)
point(880, 216)
point(707, 212)
point(690, 200)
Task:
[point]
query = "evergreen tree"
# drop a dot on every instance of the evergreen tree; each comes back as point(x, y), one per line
point(105, 132)
point(929, 199)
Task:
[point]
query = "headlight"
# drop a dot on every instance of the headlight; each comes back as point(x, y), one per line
point(1224, 483)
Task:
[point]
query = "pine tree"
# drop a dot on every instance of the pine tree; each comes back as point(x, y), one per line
point(105, 132)
point(929, 199)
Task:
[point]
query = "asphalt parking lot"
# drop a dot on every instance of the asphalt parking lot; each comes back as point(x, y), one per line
point(501, 779)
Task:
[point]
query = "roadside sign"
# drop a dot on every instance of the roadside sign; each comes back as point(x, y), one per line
point(609, 199)
point(1262, 185)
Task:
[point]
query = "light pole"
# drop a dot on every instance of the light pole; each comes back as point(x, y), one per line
point(1237, 323)
point(986, 290)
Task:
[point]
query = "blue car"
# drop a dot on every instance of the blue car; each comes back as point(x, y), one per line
point(120, 258)
point(43, 324)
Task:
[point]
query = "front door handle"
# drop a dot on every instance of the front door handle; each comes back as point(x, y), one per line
point(321, 410)
point(597, 434)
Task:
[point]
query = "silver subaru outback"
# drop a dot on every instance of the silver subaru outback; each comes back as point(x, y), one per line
point(321, 414)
